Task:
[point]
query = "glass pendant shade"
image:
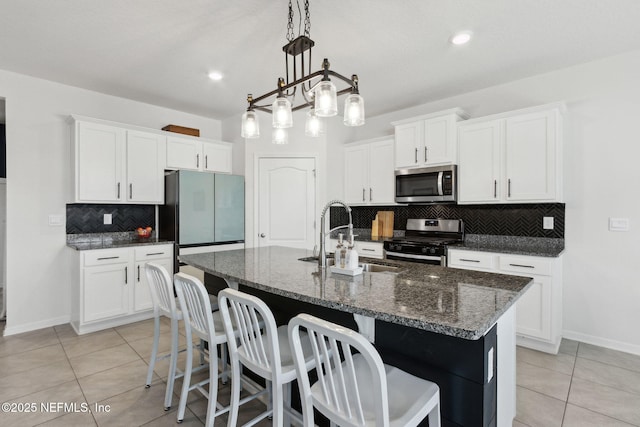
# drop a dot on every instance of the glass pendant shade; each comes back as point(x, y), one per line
point(354, 110)
point(280, 136)
point(314, 126)
point(250, 125)
point(326, 104)
point(282, 114)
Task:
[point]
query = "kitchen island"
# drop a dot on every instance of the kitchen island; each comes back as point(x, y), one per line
point(453, 327)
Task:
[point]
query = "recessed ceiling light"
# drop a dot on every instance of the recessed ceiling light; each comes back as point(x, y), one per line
point(461, 38)
point(215, 75)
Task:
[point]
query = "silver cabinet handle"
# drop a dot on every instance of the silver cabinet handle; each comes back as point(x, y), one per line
point(108, 257)
point(197, 160)
point(495, 188)
point(118, 191)
point(130, 190)
point(469, 260)
point(206, 162)
point(522, 265)
point(156, 253)
point(416, 155)
point(509, 187)
point(368, 250)
point(138, 274)
point(126, 274)
point(370, 194)
point(425, 154)
point(363, 190)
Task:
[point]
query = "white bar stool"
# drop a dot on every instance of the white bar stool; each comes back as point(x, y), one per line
point(361, 390)
point(164, 304)
point(208, 326)
point(266, 354)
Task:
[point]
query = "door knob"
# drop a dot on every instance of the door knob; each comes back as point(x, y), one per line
point(262, 235)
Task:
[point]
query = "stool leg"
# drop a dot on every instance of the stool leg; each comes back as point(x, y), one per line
point(224, 350)
point(278, 406)
point(186, 380)
point(236, 386)
point(213, 388)
point(154, 349)
point(287, 404)
point(434, 416)
point(168, 396)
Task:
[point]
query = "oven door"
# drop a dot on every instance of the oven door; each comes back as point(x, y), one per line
point(425, 185)
point(424, 259)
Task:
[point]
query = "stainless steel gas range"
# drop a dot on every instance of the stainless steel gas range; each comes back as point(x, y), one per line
point(426, 241)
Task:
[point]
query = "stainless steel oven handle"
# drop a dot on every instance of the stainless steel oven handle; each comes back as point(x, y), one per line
point(442, 259)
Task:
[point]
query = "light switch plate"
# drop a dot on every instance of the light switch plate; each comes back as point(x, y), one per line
point(618, 224)
point(547, 223)
point(55, 220)
point(107, 219)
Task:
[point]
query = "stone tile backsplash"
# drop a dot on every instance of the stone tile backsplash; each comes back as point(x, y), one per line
point(500, 220)
point(88, 218)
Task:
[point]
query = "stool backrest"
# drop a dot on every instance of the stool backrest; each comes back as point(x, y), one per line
point(342, 383)
point(195, 305)
point(247, 314)
point(161, 287)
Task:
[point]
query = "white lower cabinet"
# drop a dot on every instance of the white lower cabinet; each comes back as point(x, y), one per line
point(112, 287)
point(539, 310)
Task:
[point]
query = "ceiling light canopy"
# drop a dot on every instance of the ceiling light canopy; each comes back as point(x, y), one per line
point(315, 90)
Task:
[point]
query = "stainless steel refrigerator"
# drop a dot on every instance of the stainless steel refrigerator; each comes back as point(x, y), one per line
point(201, 209)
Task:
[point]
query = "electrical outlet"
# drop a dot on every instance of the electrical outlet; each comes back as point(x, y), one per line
point(107, 219)
point(547, 223)
point(618, 224)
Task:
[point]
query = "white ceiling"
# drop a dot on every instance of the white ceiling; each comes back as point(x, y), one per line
point(160, 51)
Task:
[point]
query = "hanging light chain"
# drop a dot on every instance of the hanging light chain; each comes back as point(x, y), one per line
point(307, 19)
point(290, 35)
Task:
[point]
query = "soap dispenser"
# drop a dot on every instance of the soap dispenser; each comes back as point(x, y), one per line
point(337, 257)
point(353, 254)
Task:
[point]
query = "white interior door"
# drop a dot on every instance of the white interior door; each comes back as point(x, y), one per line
point(286, 202)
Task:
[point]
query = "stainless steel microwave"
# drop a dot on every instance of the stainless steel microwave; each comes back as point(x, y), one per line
point(426, 185)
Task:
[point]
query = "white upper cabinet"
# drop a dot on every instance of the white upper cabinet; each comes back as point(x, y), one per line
point(427, 140)
point(145, 176)
point(369, 172)
point(116, 165)
point(99, 163)
point(511, 158)
point(193, 154)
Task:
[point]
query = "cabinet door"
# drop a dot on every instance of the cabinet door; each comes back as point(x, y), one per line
point(439, 141)
point(217, 157)
point(100, 161)
point(533, 313)
point(409, 142)
point(530, 156)
point(142, 294)
point(105, 291)
point(145, 175)
point(184, 153)
point(355, 173)
point(479, 163)
point(381, 173)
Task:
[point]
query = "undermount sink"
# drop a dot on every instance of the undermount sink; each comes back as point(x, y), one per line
point(367, 266)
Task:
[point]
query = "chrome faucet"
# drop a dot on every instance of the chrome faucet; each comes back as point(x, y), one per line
point(322, 255)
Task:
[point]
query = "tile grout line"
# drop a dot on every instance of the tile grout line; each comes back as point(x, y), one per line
point(566, 403)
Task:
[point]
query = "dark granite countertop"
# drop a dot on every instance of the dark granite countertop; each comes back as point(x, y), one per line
point(531, 246)
point(460, 303)
point(90, 241)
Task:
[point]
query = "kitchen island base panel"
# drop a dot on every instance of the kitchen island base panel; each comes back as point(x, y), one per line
point(460, 367)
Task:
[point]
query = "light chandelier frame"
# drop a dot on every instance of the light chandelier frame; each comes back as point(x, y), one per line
point(319, 95)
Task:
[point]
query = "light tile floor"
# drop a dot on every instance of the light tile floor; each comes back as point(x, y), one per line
point(583, 385)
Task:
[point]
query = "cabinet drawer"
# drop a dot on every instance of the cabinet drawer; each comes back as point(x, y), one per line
point(106, 256)
point(369, 249)
point(471, 260)
point(151, 252)
point(526, 266)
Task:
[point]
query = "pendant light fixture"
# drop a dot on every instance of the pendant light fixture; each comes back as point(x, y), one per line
point(316, 90)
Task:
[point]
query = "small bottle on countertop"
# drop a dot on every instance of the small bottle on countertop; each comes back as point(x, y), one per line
point(353, 260)
point(337, 256)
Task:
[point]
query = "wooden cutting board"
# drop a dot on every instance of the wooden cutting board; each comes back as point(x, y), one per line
point(386, 217)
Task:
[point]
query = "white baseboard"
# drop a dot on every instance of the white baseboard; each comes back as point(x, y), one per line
point(33, 326)
point(602, 342)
